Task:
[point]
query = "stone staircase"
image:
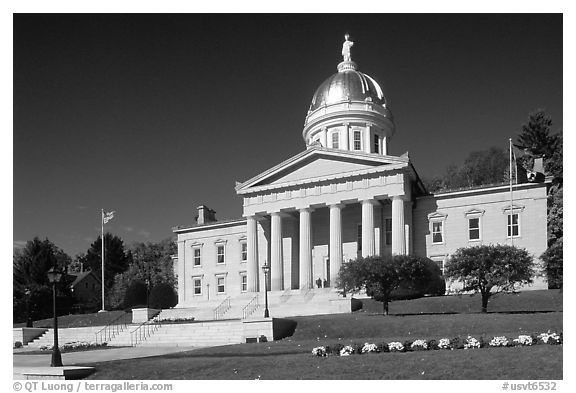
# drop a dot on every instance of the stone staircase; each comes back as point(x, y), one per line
point(280, 304)
point(66, 335)
point(203, 329)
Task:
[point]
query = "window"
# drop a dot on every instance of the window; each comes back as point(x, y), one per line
point(440, 261)
point(220, 284)
point(357, 140)
point(376, 144)
point(243, 283)
point(335, 140)
point(359, 237)
point(513, 225)
point(197, 257)
point(474, 228)
point(388, 232)
point(243, 252)
point(437, 232)
point(197, 286)
point(220, 253)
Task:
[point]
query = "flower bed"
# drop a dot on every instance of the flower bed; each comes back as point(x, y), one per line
point(75, 346)
point(469, 342)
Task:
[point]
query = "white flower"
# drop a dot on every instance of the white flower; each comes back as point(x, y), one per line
point(524, 340)
point(369, 348)
point(499, 341)
point(395, 346)
point(419, 344)
point(346, 351)
point(444, 343)
point(471, 342)
point(545, 337)
point(319, 351)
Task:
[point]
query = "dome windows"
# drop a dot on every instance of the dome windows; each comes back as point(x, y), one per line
point(357, 140)
point(335, 140)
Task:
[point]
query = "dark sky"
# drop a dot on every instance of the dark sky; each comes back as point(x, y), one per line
point(152, 115)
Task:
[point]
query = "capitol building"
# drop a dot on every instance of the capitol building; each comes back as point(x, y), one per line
point(343, 197)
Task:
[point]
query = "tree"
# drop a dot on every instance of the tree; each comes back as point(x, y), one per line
point(116, 258)
point(163, 296)
point(479, 168)
point(536, 137)
point(490, 269)
point(150, 262)
point(31, 290)
point(380, 275)
point(553, 264)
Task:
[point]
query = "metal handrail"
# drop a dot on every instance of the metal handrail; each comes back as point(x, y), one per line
point(109, 331)
point(145, 330)
point(250, 307)
point(222, 308)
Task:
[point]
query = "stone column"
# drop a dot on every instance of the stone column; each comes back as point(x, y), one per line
point(335, 241)
point(276, 269)
point(368, 247)
point(385, 146)
point(252, 248)
point(398, 237)
point(324, 137)
point(345, 137)
point(305, 248)
point(181, 272)
point(367, 144)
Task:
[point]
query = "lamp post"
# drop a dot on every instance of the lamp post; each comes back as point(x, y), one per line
point(54, 277)
point(147, 293)
point(27, 293)
point(266, 269)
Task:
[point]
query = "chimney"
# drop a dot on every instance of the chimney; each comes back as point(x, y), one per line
point(205, 215)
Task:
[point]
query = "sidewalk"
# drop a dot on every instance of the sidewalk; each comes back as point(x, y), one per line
point(102, 355)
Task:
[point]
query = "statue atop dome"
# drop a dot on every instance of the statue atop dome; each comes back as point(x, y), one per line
point(346, 46)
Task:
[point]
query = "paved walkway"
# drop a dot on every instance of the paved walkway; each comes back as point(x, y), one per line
point(85, 357)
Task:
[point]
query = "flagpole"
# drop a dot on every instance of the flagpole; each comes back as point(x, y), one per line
point(102, 218)
point(510, 216)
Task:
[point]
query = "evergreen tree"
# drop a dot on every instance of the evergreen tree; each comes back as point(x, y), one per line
point(116, 259)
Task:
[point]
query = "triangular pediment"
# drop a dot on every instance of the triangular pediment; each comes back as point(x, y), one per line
point(320, 163)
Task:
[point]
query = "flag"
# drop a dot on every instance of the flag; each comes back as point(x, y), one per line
point(521, 174)
point(107, 216)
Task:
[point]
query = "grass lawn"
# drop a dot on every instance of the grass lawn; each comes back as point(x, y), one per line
point(283, 360)
point(533, 301)
point(81, 320)
point(291, 358)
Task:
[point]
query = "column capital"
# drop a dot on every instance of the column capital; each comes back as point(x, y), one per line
point(400, 197)
point(339, 205)
point(371, 201)
point(306, 209)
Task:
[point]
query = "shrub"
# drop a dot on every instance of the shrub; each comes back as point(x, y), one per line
point(17, 344)
point(553, 264)
point(135, 294)
point(163, 296)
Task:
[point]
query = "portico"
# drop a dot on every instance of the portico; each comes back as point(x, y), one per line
point(377, 187)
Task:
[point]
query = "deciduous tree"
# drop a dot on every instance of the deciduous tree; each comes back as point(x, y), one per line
point(490, 269)
point(379, 276)
point(152, 263)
